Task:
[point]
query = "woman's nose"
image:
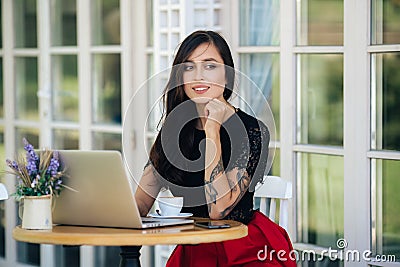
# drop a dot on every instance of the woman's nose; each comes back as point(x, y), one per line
point(198, 72)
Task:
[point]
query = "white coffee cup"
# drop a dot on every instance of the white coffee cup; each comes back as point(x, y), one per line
point(170, 206)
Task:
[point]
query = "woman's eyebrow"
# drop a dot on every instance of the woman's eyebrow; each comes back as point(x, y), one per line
point(203, 60)
point(210, 59)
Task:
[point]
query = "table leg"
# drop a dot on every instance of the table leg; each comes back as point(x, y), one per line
point(130, 256)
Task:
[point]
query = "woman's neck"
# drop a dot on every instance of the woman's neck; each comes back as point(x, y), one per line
point(202, 117)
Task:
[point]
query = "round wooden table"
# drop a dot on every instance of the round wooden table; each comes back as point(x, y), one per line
point(130, 240)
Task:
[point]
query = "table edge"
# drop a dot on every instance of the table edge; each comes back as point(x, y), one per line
point(129, 237)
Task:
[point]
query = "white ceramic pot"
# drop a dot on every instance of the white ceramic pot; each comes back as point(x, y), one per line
point(36, 212)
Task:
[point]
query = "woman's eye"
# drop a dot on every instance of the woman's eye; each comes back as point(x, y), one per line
point(210, 66)
point(188, 67)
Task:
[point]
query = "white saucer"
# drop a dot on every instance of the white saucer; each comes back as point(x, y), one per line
point(180, 216)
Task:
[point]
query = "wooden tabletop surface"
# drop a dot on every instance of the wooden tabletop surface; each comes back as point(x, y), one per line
point(101, 236)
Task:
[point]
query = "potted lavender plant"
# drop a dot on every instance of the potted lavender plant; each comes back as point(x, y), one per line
point(39, 179)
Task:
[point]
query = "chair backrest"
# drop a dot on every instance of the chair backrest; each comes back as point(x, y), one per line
point(275, 188)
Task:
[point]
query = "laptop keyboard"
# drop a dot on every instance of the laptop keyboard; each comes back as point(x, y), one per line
point(146, 222)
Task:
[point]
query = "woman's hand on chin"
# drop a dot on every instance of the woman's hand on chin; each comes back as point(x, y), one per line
point(216, 112)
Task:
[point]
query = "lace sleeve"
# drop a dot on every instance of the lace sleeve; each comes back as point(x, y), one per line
point(259, 140)
point(247, 163)
point(249, 158)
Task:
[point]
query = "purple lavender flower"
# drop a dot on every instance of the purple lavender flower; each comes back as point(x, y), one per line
point(58, 183)
point(55, 155)
point(54, 165)
point(31, 157)
point(12, 164)
point(31, 167)
point(30, 150)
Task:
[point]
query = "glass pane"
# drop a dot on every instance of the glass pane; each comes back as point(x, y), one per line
point(67, 256)
point(31, 134)
point(387, 240)
point(276, 164)
point(26, 252)
point(320, 22)
point(63, 22)
point(26, 82)
point(65, 97)
point(149, 143)
point(321, 199)
point(263, 70)
point(202, 18)
point(107, 89)
point(107, 256)
point(1, 88)
point(105, 22)
point(65, 139)
point(259, 22)
point(385, 92)
point(320, 99)
point(174, 22)
point(164, 41)
point(107, 141)
point(385, 16)
point(175, 39)
point(154, 88)
point(163, 17)
point(25, 23)
point(217, 17)
point(2, 203)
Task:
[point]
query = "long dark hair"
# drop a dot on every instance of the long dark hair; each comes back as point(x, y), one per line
point(174, 95)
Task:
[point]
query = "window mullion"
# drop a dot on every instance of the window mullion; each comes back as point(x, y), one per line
point(85, 94)
point(126, 51)
point(84, 73)
point(9, 130)
point(44, 73)
point(356, 128)
point(134, 135)
point(44, 98)
point(288, 100)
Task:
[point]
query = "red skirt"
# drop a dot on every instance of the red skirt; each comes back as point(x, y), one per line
point(267, 244)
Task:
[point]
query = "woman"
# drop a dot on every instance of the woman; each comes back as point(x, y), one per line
point(213, 154)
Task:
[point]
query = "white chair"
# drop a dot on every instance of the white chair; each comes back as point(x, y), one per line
point(275, 188)
point(3, 192)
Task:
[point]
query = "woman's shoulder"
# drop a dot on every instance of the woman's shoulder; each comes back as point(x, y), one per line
point(252, 123)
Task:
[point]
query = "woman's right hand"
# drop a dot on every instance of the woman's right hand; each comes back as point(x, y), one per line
point(215, 111)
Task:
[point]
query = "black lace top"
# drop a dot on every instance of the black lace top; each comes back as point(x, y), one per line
point(244, 144)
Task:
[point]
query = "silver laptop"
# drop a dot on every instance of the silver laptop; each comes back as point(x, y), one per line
point(103, 193)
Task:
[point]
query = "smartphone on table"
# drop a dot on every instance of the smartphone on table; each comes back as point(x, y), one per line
point(212, 224)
